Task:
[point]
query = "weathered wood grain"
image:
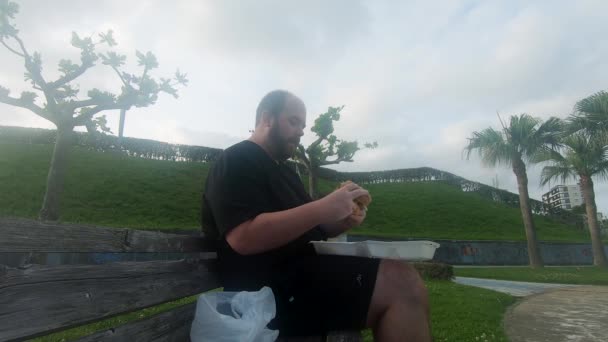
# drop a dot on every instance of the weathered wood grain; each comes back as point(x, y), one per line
point(35, 236)
point(174, 326)
point(170, 326)
point(39, 299)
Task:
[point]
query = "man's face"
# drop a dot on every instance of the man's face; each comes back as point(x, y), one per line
point(287, 128)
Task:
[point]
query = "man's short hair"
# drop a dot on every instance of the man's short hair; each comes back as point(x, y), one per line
point(273, 103)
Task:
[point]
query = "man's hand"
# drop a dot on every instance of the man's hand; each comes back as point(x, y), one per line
point(338, 205)
point(337, 228)
point(355, 220)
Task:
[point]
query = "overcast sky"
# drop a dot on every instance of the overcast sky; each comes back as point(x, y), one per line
point(416, 76)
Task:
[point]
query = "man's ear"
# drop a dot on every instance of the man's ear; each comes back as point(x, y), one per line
point(267, 119)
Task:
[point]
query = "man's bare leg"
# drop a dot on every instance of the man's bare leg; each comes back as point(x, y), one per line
point(399, 308)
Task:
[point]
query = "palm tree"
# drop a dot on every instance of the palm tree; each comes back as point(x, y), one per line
point(591, 114)
point(583, 156)
point(522, 140)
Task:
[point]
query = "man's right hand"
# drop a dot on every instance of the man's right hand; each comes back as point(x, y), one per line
point(339, 204)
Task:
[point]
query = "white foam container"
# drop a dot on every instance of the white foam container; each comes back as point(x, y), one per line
point(402, 250)
point(341, 248)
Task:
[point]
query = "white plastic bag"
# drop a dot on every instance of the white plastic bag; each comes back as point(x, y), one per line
point(234, 317)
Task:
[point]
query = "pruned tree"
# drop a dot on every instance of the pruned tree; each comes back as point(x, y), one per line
point(327, 149)
point(61, 102)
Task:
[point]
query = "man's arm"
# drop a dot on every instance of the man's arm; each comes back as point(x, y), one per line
point(272, 230)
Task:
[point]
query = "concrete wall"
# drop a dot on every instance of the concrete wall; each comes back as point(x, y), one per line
point(454, 252)
point(469, 252)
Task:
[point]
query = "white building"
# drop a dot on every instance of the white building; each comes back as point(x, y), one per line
point(564, 196)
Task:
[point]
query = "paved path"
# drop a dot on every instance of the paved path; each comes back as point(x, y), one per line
point(514, 288)
point(574, 314)
point(552, 312)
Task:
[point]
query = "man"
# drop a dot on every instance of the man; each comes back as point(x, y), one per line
point(258, 209)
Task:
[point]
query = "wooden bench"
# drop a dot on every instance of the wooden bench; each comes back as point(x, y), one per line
point(38, 299)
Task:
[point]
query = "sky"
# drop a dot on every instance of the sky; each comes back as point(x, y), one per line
point(418, 77)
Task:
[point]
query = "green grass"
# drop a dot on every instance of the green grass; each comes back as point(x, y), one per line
point(588, 275)
point(438, 210)
point(104, 188)
point(463, 313)
point(111, 189)
point(458, 313)
point(75, 333)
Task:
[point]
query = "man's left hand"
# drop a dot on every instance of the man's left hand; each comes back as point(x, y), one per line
point(348, 223)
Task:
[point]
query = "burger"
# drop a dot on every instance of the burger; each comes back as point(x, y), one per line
point(360, 203)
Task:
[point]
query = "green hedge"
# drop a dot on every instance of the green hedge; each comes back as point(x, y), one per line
point(144, 148)
point(434, 270)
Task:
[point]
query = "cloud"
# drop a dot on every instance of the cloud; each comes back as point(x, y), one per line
point(416, 77)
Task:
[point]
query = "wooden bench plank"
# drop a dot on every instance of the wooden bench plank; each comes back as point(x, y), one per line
point(170, 326)
point(34, 236)
point(42, 299)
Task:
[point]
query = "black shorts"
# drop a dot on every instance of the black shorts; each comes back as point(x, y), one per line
point(318, 294)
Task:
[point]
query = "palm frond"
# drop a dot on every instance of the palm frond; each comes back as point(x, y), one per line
point(546, 154)
point(556, 172)
point(521, 128)
point(596, 104)
point(591, 113)
point(548, 135)
point(581, 154)
point(602, 170)
point(492, 147)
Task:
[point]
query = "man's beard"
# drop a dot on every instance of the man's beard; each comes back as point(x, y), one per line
point(280, 144)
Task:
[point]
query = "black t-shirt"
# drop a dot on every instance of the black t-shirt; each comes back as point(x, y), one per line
point(243, 183)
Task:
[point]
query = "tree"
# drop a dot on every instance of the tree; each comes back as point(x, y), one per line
point(516, 144)
point(62, 105)
point(326, 146)
point(590, 115)
point(582, 156)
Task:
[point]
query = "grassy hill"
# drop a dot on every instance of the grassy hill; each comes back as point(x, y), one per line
point(115, 190)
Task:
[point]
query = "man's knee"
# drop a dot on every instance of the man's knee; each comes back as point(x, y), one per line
point(399, 286)
point(403, 282)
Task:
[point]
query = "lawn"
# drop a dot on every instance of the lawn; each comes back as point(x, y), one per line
point(458, 313)
point(588, 275)
point(438, 210)
point(111, 189)
point(108, 189)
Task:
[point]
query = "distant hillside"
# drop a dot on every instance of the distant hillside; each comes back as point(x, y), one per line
point(112, 189)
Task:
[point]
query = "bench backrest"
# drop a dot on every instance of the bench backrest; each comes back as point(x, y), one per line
point(36, 300)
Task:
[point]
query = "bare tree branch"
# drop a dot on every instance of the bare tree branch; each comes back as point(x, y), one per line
point(20, 42)
point(36, 75)
point(71, 76)
point(83, 118)
point(73, 105)
point(301, 154)
point(121, 78)
point(315, 143)
point(31, 106)
point(339, 160)
point(11, 49)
